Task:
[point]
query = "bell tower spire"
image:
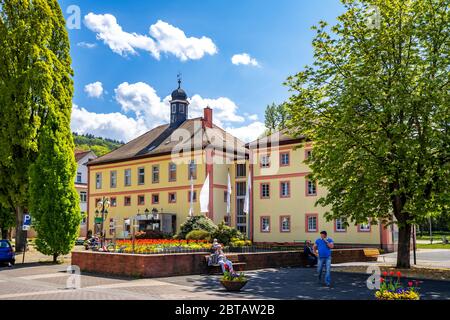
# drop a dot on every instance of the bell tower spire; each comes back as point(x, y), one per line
point(178, 105)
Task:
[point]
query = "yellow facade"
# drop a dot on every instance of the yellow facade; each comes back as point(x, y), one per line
point(296, 207)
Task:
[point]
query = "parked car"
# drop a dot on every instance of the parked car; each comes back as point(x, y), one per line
point(7, 254)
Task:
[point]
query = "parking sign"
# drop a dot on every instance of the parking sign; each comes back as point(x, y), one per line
point(26, 222)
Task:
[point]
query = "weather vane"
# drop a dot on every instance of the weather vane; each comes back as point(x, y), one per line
point(179, 79)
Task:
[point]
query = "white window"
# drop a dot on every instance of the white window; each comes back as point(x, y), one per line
point(265, 190)
point(340, 227)
point(312, 223)
point(113, 179)
point(141, 176)
point(265, 224)
point(312, 188)
point(265, 161)
point(174, 108)
point(172, 172)
point(241, 170)
point(192, 170)
point(127, 177)
point(285, 189)
point(155, 174)
point(364, 227)
point(83, 196)
point(79, 177)
point(285, 224)
point(181, 108)
point(98, 180)
point(284, 159)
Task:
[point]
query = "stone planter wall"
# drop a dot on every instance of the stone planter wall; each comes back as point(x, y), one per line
point(167, 265)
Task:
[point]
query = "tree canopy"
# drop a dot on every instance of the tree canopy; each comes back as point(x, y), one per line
point(36, 90)
point(375, 102)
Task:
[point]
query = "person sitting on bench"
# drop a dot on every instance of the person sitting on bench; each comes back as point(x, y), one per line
point(311, 259)
point(223, 261)
point(214, 257)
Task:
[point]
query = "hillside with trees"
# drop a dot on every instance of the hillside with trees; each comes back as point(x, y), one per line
point(99, 145)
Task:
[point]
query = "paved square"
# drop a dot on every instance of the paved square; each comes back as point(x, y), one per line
point(49, 282)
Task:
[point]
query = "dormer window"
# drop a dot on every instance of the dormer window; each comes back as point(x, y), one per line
point(174, 108)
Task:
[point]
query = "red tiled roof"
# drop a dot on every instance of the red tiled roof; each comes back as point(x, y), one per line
point(162, 140)
point(80, 154)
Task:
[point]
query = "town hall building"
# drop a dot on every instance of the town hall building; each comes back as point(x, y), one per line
point(156, 181)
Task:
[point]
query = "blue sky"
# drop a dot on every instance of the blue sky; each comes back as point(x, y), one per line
point(126, 56)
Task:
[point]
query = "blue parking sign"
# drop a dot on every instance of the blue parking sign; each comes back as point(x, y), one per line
point(26, 222)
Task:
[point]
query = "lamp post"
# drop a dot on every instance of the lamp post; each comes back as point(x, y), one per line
point(102, 207)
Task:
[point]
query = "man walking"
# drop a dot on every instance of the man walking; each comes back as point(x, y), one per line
point(322, 249)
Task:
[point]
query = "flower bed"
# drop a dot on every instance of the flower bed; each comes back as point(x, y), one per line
point(391, 288)
point(147, 246)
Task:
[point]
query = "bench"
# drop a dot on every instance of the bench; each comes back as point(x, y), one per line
point(217, 269)
point(372, 253)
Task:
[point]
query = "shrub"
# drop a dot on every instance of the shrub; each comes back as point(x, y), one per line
point(196, 223)
point(151, 234)
point(198, 235)
point(235, 242)
point(224, 234)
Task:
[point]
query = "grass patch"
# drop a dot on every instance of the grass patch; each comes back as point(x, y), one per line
point(433, 246)
point(413, 273)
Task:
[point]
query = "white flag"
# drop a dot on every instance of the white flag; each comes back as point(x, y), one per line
point(191, 209)
point(204, 196)
point(247, 195)
point(229, 195)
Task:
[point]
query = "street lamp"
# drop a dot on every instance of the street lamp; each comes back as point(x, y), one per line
point(102, 207)
point(155, 213)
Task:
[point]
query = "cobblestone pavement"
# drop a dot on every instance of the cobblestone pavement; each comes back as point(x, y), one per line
point(49, 282)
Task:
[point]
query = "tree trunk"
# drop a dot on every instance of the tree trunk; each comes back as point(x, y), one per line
point(20, 234)
point(4, 233)
point(55, 257)
point(404, 246)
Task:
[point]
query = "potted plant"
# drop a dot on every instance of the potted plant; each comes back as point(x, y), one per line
point(233, 281)
point(391, 288)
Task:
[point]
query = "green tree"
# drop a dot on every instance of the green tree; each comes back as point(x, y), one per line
point(7, 220)
point(271, 118)
point(276, 117)
point(53, 197)
point(376, 104)
point(35, 76)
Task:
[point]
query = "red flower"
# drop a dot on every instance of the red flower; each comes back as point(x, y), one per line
point(385, 273)
point(382, 279)
point(227, 268)
point(410, 284)
point(399, 274)
point(392, 273)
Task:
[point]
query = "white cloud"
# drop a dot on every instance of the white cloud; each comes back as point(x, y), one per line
point(166, 39)
point(249, 132)
point(147, 110)
point(94, 90)
point(87, 45)
point(142, 100)
point(111, 125)
point(224, 109)
point(245, 59)
point(119, 41)
point(173, 40)
point(252, 117)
